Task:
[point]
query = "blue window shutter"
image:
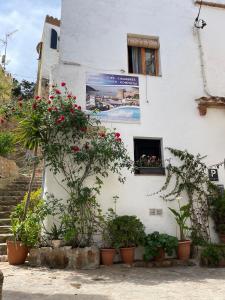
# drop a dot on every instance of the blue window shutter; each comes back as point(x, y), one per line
point(54, 39)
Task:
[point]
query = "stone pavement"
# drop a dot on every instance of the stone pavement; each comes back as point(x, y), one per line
point(113, 283)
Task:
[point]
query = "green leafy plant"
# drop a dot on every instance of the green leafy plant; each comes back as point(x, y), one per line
point(218, 212)
point(181, 217)
point(212, 254)
point(107, 229)
point(6, 143)
point(155, 241)
point(126, 231)
point(55, 232)
point(187, 175)
point(28, 230)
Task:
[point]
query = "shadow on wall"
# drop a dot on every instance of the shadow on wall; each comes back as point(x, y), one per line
point(11, 295)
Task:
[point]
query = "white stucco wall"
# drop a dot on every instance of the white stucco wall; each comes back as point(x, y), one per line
point(94, 34)
point(50, 56)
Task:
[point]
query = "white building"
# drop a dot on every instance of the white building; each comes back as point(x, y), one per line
point(48, 53)
point(186, 64)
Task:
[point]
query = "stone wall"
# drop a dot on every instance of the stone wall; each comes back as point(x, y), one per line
point(8, 170)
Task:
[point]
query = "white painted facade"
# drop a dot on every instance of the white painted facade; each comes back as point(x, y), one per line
point(94, 38)
point(48, 57)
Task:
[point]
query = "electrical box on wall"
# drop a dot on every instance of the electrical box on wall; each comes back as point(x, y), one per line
point(155, 212)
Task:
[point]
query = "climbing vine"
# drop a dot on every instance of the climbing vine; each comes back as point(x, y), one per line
point(190, 177)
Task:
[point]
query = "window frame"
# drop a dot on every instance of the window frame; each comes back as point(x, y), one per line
point(143, 62)
point(154, 171)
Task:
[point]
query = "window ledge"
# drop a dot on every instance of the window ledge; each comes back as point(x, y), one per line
point(150, 171)
point(209, 102)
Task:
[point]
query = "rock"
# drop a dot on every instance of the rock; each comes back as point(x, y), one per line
point(8, 168)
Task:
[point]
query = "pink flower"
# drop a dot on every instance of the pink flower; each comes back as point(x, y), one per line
point(61, 119)
point(37, 98)
point(118, 140)
point(55, 108)
point(58, 92)
point(49, 102)
point(20, 98)
point(117, 134)
point(75, 106)
point(74, 97)
point(75, 148)
point(79, 107)
point(50, 109)
point(51, 97)
point(34, 106)
point(69, 96)
point(72, 111)
point(63, 83)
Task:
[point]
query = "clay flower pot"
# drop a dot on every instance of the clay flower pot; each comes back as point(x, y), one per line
point(127, 255)
point(222, 238)
point(107, 256)
point(184, 250)
point(160, 256)
point(17, 252)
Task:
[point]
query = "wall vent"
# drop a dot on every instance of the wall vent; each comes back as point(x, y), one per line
point(155, 212)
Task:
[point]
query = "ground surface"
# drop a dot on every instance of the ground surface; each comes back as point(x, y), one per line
point(114, 283)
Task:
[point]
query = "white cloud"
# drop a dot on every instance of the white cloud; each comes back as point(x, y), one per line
point(28, 17)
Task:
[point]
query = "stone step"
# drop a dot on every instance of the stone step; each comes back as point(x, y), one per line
point(7, 208)
point(3, 248)
point(21, 187)
point(5, 222)
point(4, 201)
point(5, 229)
point(11, 193)
point(5, 214)
point(4, 237)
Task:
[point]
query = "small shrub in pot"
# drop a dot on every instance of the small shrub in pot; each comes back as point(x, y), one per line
point(127, 233)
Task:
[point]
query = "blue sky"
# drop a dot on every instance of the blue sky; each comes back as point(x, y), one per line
point(28, 17)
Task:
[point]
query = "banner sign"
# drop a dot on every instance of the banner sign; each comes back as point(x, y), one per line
point(113, 98)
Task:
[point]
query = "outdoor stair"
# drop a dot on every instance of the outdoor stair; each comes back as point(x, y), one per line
point(10, 196)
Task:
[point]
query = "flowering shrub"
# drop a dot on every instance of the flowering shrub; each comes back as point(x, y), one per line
point(77, 147)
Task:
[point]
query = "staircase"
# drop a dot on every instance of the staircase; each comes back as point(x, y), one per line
point(10, 196)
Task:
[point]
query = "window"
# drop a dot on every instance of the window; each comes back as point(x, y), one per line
point(54, 39)
point(143, 54)
point(148, 156)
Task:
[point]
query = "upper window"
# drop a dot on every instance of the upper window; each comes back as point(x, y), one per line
point(54, 39)
point(143, 54)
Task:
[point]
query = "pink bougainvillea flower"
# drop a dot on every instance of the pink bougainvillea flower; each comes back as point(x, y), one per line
point(50, 109)
point(37, 98)
point(63, 83)
point(34, 106)
point(79, 107)
point(72, 111)
point(117, 134)
point(51, 97)
point(55, 108)
point(74, 97)
point(118, 140)
point(69, 96)
point(75, 105)
point(49, 102)
point(60, 119)
point(58, 92)
point(75, 148)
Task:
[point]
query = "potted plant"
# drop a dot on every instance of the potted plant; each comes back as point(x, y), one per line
point(55, 235)
point(218, 215)
point(149, 164)
point(108, 251)
point(26, 232)
point(181, 217)
point(127, 233)
point(156, 245)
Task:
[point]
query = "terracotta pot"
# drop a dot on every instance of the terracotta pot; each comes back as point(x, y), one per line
point(17, 253)
point(127, 255)
point(160, 256)
point(184, 250)
point(222, 238)
point(107, 256)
